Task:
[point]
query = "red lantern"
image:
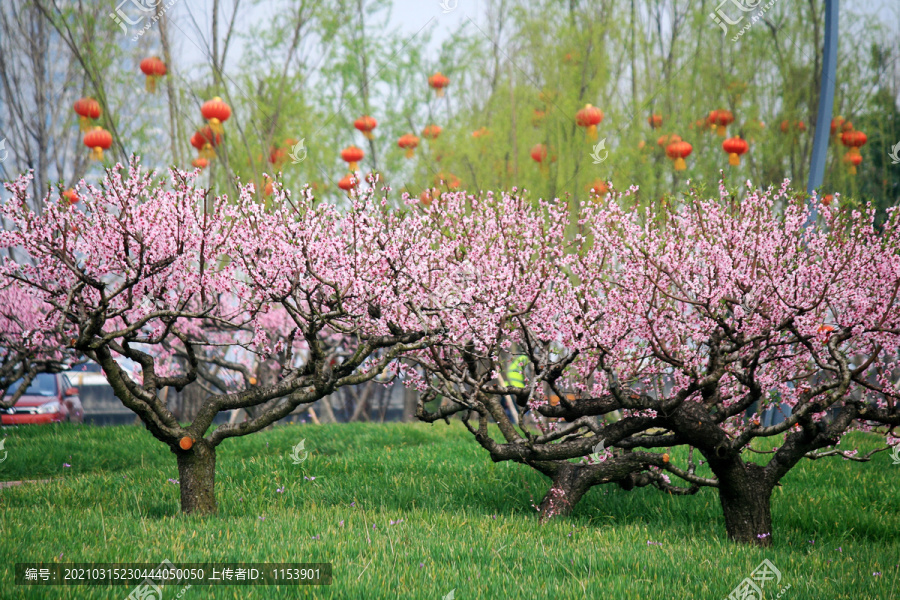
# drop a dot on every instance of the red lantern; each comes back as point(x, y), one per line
point(655, 121)
point(366, 124)
point(216, 112)
point(153, 68)
point(590, 117)
point(352, 155)
point(836, 123)
point(678, 151)
point(827, 199)
point(735, 147)
point(438, 81)
point(431, 132)
point(348, 183)
point(723, 118)
point(200, 163)
point(98, 140)
point(799, 126)
point(205, 140)
point(277, 156)
point(87, 110)
point(664, 140)
point(426, 198)
point(598, 189)
point(853, 160)
point(539, 153)
point(70, 196)
point(854, 140)
point(712, 118)
point(409, 142)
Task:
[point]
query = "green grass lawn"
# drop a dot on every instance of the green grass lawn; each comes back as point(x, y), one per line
point(465, 524)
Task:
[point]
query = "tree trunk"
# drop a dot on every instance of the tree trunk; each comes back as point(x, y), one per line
point(746, 503)
point(569, 485)
point(197, 474)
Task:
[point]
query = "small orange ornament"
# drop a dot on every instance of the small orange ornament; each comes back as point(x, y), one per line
point(185, 443)
point(665, 458)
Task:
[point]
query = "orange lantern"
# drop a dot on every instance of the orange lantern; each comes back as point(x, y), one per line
point(153, 68)
point(426, 198)
point(438, 81)
point(70, 196)
point(448, 179)
point(723, 119)
point(481, 132)
point(655, 121)
point(216, 112)
point(598, 189)
point(539, 153)
point(200, 163)
point(854, 140)
point(836, 123)
point(735, 147)
point(853, 160)
point(366, 124)
point(205, 140)
point(98, 140)
point(431, 132)
point(352, 155)
point(827, 199)
point(537, 119)
point(712, 118)
point(590, 117)
point(87, 110)
point(348, 183)
point(408, 142)
point(664, 140)
point(678, 151)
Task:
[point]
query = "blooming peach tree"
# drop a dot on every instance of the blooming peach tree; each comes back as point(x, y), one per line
point(151, 269)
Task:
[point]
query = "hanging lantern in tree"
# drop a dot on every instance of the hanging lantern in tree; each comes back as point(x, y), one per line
point(205, 140)
point(787, 126)
point(655, 121)
point(426, 198)
point(87, 110)
point(854, 140)
point(598, 189)
point(853, 160)
point(481, 132)
point(277, 156)
point(664, 140)
point(712, 118)
point(448, 179)
point(200, 163)
point(216, 112)
point(70, 196)
point(352, 155)
point(348, 183)
point(153, 68)
point(735, 147)
point(431, 132)
point(590, 117)
point(827, 199)
point(438, 81)
point(836, 123)
point(408, 142)
point(846, 126)
point(678, 151)
point(724, 118)
point(539, 153)
point(537, 118)
point(366, 124)
point(98, 140)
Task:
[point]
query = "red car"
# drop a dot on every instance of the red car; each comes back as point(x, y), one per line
point(49, 399)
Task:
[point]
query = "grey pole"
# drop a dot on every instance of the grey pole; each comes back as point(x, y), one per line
point(826, 97)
